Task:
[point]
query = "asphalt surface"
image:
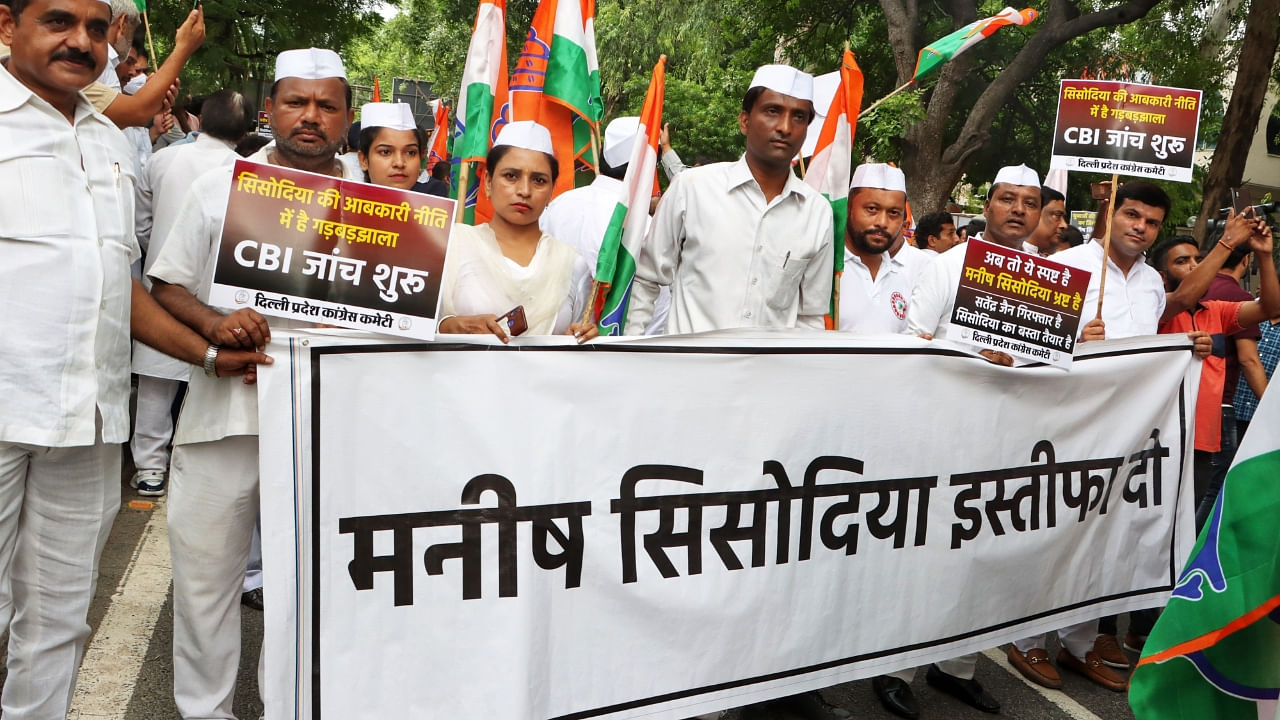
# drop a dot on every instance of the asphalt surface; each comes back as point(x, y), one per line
point(147, 679)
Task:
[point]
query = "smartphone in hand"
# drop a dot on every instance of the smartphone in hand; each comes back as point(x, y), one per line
point(514, 321)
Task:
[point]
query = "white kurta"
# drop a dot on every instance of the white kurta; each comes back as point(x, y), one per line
point(480, 280)
point(732, 258)
point(1133, 303)
point(215, 407)
point(162, 187)
point(933, 298)
point(579, 219)
point(66, 239)
point(873, 306)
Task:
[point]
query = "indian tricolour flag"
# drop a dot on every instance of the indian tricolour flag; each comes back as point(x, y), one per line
point(1215, 652)
point(483, 97)
point(943, 50)
point(831, 167)
point(616, 264)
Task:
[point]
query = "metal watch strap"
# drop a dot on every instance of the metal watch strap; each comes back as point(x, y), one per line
point(210, 361)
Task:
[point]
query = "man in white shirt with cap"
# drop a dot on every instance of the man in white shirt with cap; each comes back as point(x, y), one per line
point(874, 288)
point(746, 243)
point(66, 235)
point(213, 483)
point(580, 217)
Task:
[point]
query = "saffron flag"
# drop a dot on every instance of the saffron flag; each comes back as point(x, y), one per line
point(483, 105)
point(556, 81)
point(1215, 652)
point(941, 51)
point(438, 147)
point(616, 264)
point(831, 166)
point(377, 91)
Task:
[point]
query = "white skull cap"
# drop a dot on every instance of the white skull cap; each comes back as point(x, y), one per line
point(784, 79)
point(1017, 175)
point(310, 64)
point(393, 116)
point(526, 134)
point(620, 139)
point(880, 177)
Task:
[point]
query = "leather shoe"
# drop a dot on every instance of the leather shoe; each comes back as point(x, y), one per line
point(252, 599)
point(896, 696)
point(1035, 666)
point(1109, 652)
point(1094, 669)
point(969, 692)
point(807, 706)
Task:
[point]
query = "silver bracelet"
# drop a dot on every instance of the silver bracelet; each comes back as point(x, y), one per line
point(210, 361)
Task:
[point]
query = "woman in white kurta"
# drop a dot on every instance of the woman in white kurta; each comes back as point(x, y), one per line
point(509, 262)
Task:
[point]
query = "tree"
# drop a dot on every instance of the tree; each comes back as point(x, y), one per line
point(1257, 55)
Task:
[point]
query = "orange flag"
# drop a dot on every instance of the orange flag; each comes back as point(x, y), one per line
point(377, 91)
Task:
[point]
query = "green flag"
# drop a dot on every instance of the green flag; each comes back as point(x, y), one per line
point(142, 5)
point(1215, 652)
point(941, 51)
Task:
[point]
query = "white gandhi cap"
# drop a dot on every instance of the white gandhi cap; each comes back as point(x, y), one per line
point(310, 64)
point(879, 176)
point(526, 134)
point(620, 140)
point(784, 79)
point(393, 116)
point(1017, 175)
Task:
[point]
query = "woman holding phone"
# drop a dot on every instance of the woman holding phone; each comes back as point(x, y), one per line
point(507, 275)
point(391, 145)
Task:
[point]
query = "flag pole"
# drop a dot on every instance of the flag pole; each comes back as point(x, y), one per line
point(800, 160)
point(835, 301)
point(463, 179)
point(591, 301)
point(1106, 243)
point(876, 104)
point(155, 61)
point(595, 146)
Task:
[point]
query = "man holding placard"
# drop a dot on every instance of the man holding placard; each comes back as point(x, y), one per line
point(214, 478)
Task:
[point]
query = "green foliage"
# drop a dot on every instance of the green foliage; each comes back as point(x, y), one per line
point(879, 134)
point(421, 44)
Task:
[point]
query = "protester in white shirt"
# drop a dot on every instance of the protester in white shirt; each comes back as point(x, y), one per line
point(161, 188)
point(874, 288)
point(936, 233)
point(70, 305)
point(1053, 220)
point(1012, 212)
point(213, 485)
point(579, 217)
point(747, 243)
point(509, 264)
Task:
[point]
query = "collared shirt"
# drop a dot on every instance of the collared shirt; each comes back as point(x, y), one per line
point(873, 306)
point(914, 260)
point(672, 165)
point(1246, 401)
point(933, 295)
point(579, 219)
point(109, 76)
point(161, 189)
point(732, 258)
point(66, 239)
point(1134, 301)
point(1219, 318)
point(215, 407)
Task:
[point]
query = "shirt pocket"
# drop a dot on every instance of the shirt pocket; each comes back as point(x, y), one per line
point(784, 272)
point(40, 205)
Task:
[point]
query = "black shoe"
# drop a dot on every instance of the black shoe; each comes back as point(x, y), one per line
point(253, 599)
point(807, 706)
point(896, 696)
point(969, 692)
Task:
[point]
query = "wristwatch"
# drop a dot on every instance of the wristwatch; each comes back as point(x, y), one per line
point(210, 361)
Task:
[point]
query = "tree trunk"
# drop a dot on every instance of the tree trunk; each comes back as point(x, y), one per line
point(1257, 53)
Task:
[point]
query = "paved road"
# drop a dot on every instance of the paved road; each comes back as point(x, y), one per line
point(128, 674)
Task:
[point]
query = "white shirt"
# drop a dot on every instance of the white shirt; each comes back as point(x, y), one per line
point(933, 297)
point(731, 258)
point(914, 260)
point(66, 243)
point(873, 307)
point(672, 165)
point(930, 252)
point(161, 189)
point(215, 407)
point(579, 219)
point(1133, 303)
point(109, 76)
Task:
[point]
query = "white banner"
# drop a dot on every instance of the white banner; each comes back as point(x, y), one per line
point(661, 528)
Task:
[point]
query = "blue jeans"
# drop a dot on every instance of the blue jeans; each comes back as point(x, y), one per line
point(1219, 462)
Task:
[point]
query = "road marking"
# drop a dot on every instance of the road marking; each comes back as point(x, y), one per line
point(1065, 702)
point(113, 662)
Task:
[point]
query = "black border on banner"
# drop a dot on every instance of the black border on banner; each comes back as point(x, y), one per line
point(317, 353)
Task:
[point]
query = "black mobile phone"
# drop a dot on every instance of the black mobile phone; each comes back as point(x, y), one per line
point(1240, 199)
point(514, 320)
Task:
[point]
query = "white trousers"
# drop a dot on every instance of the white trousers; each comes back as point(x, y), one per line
point(1077, 639)
point(962, 667)
point(56, 510)
point(253, 573)
point(213, 505)
point(153, 423)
